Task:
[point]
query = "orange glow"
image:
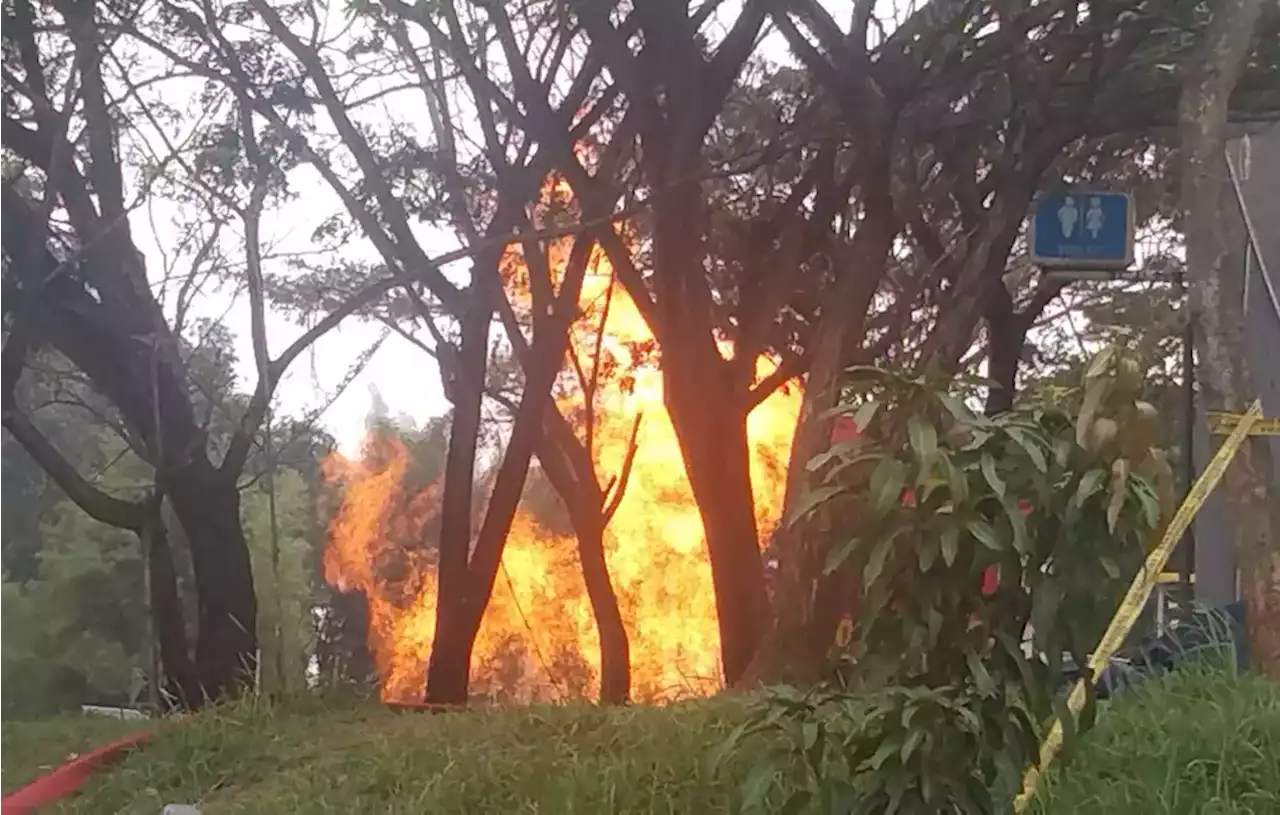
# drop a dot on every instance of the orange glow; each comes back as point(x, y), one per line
point(538, 637)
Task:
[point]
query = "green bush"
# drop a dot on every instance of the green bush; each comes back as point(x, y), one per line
point(944, 698)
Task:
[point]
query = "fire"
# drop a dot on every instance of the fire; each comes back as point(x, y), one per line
point(538, 637)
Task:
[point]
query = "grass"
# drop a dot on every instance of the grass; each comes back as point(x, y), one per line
point(1194, 742)
point(29, 748)
point(306, 757)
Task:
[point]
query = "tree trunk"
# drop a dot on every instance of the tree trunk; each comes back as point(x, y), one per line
point(807, 603)
point(715, 453)
point(788, 654)
point(1004, 350)
point(541, 366)
point(148, 385)
point(1227, 382)
point(467, 574)
point(586, 505)
point(615, 648)
point(449, 665)
point(207, 504)
point(795, 651)
point(178, 676)
point(449, 668)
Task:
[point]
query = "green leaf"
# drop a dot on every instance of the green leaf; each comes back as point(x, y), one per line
point(1032, 449)
point(908, 713)
point(1068, 721)
point(1044, 614)
point(879, 556)
point(950, 545)
point(924, 441)
point(981, 676)
point(960, 411)
point(928, 553)
point(1148, 501)
point(811, 500)
point(1062, 452)
point(934, 619)
point(982, 530)
point(913, 740)
point(837, 555)
point(797, 802)
point(845, 462)
point(1119, 488)
point(1013, 650)
point(991, 475)
point(886, 485)
point(1098, 365)
point(758, 783)
point(1110, 567)
point(1093, 397)
point(819, 460)
point(956, 480)
point(863, 416)
point(725, 749)
point(883, 754)
point(811, 732)
point(1018, 524)
point(1089, 484)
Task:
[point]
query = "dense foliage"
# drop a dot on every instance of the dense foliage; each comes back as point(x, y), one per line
point(951, 676)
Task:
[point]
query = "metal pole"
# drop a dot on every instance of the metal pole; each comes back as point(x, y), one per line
point(147, 541)
point(1188, 564)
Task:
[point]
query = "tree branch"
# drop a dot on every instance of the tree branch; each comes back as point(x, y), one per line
point(96, 503)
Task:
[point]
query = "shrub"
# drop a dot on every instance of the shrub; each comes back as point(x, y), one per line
point(947, 680)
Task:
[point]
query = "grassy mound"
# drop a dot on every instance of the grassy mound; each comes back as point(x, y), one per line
point(306, 757)
point(1191, 743)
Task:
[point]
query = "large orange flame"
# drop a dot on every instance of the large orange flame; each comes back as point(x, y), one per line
point(538, 638)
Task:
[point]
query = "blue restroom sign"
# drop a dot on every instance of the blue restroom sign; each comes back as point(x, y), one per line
point(1083, 230)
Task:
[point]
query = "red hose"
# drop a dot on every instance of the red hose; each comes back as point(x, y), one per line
point(64, 780)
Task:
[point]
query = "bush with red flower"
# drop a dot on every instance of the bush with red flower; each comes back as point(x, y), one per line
point(985, 549)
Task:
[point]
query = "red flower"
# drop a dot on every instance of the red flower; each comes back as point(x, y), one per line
point(990, 580)
point(908, 497)
point(1024, 506)
point(845, 428)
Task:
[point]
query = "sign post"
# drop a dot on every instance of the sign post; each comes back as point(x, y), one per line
point(1083, 235)
point(1079, 235)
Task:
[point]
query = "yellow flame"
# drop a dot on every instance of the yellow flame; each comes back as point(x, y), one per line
point(538, 638)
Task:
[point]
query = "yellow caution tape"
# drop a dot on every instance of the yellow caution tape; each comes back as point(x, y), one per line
point(1139, 590)
point(1222, 423)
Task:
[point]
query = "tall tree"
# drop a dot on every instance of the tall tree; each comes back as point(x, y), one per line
point(84, 291)
point(1226, 379)
point(385, 201)
point(76, 281)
